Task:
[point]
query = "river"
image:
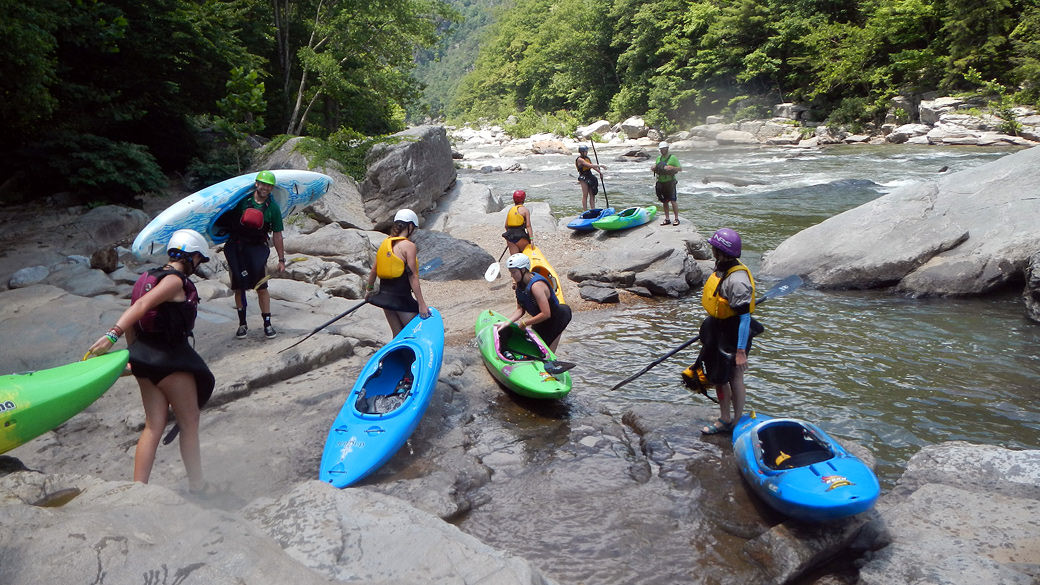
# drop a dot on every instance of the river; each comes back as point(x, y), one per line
point(891, 373)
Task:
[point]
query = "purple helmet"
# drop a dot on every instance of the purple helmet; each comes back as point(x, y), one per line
point(727, 241)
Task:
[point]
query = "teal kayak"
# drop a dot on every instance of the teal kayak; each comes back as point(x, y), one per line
point(36, 402)
point(627, 218)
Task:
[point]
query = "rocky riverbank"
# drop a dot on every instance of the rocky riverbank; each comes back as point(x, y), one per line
point(627, 486)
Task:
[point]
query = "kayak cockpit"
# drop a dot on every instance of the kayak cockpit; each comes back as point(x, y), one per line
point(388, 387)
point(787, 444)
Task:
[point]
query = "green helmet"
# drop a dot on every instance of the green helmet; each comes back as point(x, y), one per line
point(266, 177)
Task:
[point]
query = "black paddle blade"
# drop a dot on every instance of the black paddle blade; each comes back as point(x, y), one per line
point(558, 367)
point(170, 436)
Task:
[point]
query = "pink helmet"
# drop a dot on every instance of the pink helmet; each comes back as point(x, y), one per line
point(726, 241)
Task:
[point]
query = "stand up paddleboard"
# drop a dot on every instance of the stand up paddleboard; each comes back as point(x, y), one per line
point(293, 190)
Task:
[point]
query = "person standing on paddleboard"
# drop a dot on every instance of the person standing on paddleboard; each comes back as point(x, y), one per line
point(170, 373)
point(726, 334)
point(664, 170)
point(255, 222)
point(397, 267)
point(519, 232)
point(589, 183)
point(534, 296)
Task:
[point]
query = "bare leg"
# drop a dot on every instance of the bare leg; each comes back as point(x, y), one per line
point(513, 248)
point(736, 383)
point(725, 394)
point(155, 408)
point(263, 298)
point(584, 196)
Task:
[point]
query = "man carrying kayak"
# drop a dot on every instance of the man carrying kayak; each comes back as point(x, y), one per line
point(255, 223)
point(729, 299)
point(534, 297)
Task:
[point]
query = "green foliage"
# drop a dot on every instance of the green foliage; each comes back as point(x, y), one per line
point(851, 114)
point(97, 165)
point(1002, 104)
point(530, 122)
point(346, 147)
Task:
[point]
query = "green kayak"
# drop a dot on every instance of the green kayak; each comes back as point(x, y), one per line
point(36, 402)
point(628, 218)
point(518, 360)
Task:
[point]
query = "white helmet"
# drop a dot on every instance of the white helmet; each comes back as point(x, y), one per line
point(663, 145)
point(518, 261)
point(407, 216)
point(189, 242)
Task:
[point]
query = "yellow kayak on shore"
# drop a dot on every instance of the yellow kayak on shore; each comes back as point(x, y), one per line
point(540, 264)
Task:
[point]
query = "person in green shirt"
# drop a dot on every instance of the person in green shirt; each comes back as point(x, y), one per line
point(249, 246)
point(664, 169)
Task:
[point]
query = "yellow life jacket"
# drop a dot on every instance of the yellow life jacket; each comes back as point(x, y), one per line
point(388, 265)
point(513, 218)
point(714, 304)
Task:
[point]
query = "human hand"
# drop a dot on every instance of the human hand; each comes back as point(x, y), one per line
point(424, 311)
point(281, 265)
point(100, 347)
point(740, 360)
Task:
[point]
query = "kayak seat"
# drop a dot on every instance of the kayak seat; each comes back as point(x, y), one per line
point(787, 445)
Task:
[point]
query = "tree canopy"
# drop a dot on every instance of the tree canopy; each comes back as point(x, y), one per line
point(107, 97)
point(677, 60)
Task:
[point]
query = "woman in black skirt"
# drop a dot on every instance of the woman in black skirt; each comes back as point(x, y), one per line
point(398, 272)
point(168, 370)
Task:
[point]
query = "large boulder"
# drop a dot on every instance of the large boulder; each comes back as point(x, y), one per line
point(966, 233)
point(961, 513)
point(1031, 294)
point(460, 259)
point(341, 204)
point(413, 170)
point(664, 261)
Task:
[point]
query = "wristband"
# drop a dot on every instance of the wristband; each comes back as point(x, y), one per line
point(371, 287)
point(281, 259)
point(117, 330)
point(112, 338)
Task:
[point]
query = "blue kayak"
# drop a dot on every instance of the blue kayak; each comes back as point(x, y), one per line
point(800, 471)
point(386, 404)
point(583, 223)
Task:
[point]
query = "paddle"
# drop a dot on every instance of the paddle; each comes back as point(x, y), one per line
point(493, 270)
point(782, 288)
point(604, 183)
point(552, 367)
point(268, 277)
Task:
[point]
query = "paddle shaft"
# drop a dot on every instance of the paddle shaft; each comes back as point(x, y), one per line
point(782, 288)
point(596, 154)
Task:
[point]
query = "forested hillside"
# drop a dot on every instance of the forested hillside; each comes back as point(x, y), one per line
point(440, 69)
point(677, 60)
point(105, 98)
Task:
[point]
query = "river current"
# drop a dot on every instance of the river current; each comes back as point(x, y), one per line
point(889, 372)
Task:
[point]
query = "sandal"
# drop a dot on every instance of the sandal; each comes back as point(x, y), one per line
point(717, 427)
point(665, 222)
point(676, 222)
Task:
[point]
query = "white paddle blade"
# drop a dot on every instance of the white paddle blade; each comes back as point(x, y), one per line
point(492, 272)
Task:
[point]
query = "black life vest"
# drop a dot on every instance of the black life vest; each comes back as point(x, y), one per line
point(173, 321)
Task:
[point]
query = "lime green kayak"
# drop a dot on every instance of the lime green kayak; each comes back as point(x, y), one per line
point(36, 402)
point(628, 218)
point(518, 361)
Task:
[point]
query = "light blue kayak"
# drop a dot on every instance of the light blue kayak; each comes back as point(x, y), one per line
point(381, 412)
point(583, 223)
point(800, 471)
point(293, 190)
